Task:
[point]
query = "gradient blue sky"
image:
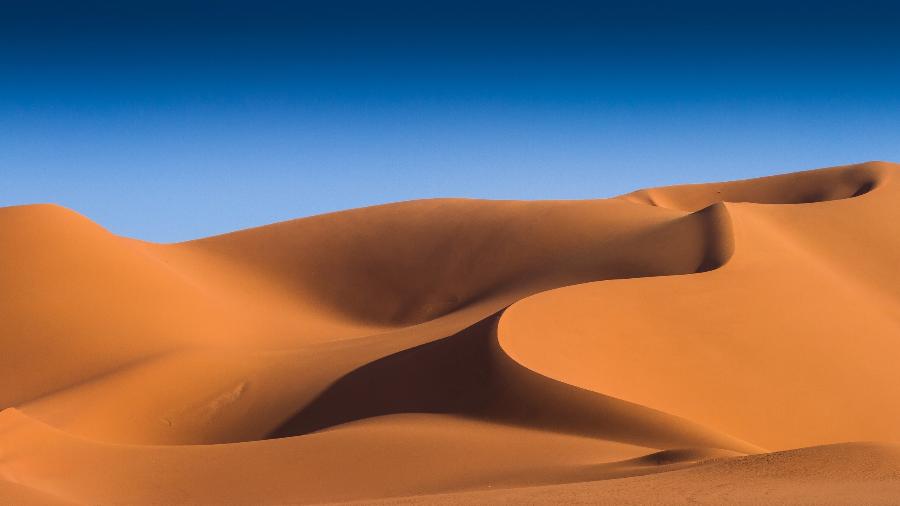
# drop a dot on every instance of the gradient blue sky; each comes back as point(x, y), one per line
point(173, 120)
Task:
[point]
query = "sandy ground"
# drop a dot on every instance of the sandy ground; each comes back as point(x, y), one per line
point(727, 343)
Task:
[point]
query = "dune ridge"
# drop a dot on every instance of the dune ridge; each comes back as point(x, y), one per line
point(448, 346)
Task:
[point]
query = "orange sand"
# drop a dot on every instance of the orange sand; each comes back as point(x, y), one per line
point(705, 343)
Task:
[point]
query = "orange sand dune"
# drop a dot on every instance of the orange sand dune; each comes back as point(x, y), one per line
point(650, 348)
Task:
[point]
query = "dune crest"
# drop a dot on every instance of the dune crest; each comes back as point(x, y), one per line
point(808, 187)
point(452, 346)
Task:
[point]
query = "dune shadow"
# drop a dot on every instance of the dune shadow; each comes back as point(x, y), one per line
point(450, 375)
point(469, 374)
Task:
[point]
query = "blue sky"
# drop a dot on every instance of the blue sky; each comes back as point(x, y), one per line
point(173, 120)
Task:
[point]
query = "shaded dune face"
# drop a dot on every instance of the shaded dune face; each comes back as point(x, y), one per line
point(410, 263)
point(460, 342)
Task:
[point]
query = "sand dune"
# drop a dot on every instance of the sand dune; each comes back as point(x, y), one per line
point(650, 348)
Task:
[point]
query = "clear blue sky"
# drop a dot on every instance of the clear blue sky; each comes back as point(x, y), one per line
point(173, 120)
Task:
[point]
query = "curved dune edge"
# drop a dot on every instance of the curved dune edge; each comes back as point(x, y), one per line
point(849, 473)
point(374, 343)
point(83, 471)
point(614, 320)
point(807, 187)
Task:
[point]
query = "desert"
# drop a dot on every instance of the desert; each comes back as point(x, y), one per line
point(716, 343)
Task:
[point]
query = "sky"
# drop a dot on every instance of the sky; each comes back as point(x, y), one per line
point(168, 121)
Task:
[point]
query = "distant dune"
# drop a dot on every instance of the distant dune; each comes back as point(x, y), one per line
point(723, 343)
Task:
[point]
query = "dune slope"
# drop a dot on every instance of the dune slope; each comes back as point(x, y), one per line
point(483, 351)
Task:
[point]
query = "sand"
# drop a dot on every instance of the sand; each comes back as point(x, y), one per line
point(699, 344)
